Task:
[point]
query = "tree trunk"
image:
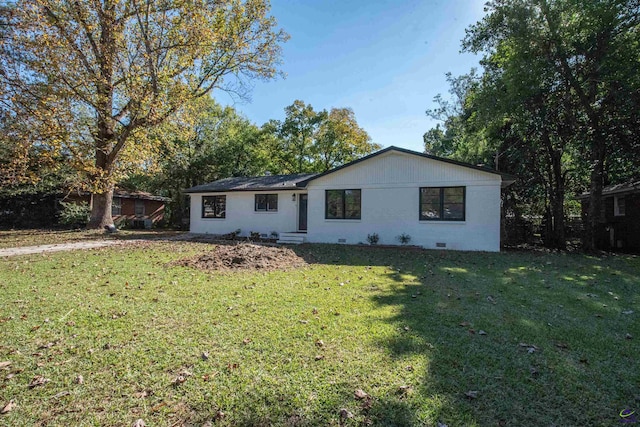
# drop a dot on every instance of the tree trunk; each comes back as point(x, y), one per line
point(595, 196)
point(101, 210)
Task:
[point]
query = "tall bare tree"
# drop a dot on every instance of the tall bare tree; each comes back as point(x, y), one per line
point(108, 71)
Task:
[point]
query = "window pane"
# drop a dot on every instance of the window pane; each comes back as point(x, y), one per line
point(334, 204)
point(272, 202)
point(116, 206)
point(430, 206)
point(352, 204)
point(261, 202)
point(139, 207)
point(453, 203)
point(214, 206)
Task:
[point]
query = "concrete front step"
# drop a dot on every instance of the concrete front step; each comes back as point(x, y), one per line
point(292, 238)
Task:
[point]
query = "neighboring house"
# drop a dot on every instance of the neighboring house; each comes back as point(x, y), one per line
point(619, 217)
point(439, 203)
point(136, 209)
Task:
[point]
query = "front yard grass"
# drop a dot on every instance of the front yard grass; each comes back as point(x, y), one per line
point(462, 339)
point(36, 237)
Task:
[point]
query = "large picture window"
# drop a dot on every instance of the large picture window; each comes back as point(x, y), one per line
point(214, 206)
point(342, 204)
point(266, 203)
point(442, 203)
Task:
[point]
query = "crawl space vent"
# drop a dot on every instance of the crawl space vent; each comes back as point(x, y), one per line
point(441, 245)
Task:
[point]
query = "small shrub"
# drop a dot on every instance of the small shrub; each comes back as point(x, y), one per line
point(254, 235)
point(373, 238)
point(74, 214)
point(404, 238)
point(274, 234)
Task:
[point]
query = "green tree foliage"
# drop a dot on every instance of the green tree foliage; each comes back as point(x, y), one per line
point(202, 143)
point(316, 141)
point(557, 103)
point(340, 140)
point(296, 136)
point(98, 75)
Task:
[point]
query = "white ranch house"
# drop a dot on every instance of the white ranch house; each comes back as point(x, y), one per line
point(439, 203)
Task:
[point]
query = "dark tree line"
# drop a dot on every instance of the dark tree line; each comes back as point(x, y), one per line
point(557, 104)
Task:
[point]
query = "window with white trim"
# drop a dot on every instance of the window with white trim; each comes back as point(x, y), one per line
point(116, 206)
point(619, 206)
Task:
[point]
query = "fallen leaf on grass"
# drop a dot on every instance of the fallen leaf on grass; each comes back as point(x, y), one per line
point(246, 341)
point(182, 377)
point(530, 347)
point(8, 407)
point(79, 379)
point(61, 394)
point(38, 380)
point(344, 414)
point(562, 345)
point(360, 394)
point(207, 377)
point(465, 324)
point(232, 366)
point(204, 355)
point(139, 423)
point(404, 390)
point(4, 364)
point(158, 406)
point(319, 357)
point(471, 394)
point(628, 336)
point(319, 343)
point(47, 345)
point(481, 332)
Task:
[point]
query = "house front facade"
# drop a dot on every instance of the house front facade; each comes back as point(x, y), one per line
point(437, 203)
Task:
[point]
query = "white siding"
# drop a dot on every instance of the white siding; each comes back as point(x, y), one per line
point(241, 214)
point(390, 204)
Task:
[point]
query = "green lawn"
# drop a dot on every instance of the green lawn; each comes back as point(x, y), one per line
point(34, 237)
point(292, 347)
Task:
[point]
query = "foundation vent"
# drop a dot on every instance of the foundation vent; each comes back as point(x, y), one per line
point(441, 245)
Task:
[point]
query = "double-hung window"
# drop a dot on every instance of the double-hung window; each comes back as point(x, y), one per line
point(214, 206)
point(266, 203)
point(619, 206)
point(343, 204)
point(442, 203)
point(116, 206)
point(138, 207)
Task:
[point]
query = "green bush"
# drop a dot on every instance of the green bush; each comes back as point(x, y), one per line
point(74, 214)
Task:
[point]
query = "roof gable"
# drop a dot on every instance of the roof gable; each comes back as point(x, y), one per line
point(506, 178)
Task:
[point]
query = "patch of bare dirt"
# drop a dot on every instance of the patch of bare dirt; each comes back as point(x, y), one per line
point(244, 256)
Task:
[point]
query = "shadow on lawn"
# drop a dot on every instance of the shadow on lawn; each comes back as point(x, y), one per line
point(552, 350)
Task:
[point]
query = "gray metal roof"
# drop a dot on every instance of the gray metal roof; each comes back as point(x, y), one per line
point(626, 187)
point(255, 183)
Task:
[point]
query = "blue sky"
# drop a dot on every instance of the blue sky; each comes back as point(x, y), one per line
point(384, 59)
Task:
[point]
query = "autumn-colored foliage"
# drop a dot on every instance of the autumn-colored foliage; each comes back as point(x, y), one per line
point(91, 79)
